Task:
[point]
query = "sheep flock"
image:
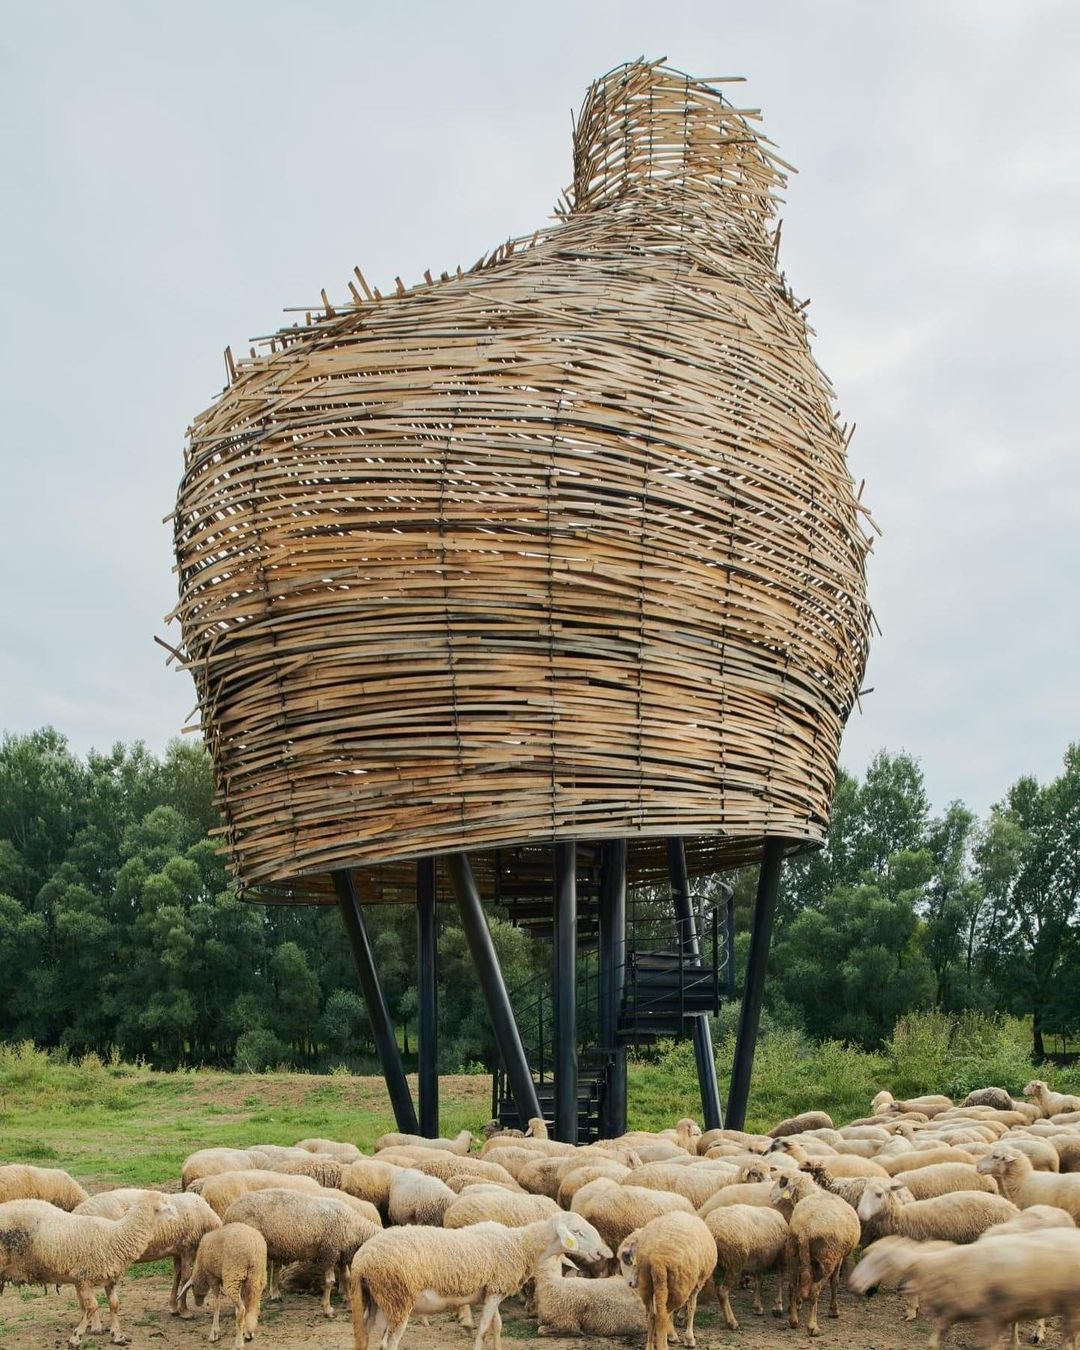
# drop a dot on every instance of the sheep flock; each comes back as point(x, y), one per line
point(969, 1210)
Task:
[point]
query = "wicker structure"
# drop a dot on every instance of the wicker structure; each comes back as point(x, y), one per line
point(564, 546)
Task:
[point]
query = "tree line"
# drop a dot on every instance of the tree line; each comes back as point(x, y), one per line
point(120, 928)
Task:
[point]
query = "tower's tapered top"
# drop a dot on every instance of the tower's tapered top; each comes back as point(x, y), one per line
point(562, 546)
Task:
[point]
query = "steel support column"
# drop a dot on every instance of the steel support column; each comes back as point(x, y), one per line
point(688, 937)
point(754, 983)
point(564, 1000)
point(427, 998)
point(378, 1013)
point(612, 982)
point(486, 961)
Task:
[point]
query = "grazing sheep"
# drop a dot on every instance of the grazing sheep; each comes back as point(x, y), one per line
point(1019, 1181)
point(232, 1259)
point(615, 1211)
point(957, 1217)
point(417, 1198)
point(989, 1096)
point(368, 1179)
point(988, 1284)
point(433, 1270)
point(572, 1307)
point(22, 1181)
point(495, 1130)
point(809, 1120)
point(460, 1144)
point(301, 1227)
point(543, 1176)
point(751, 1143)
point(40, 1244)
point(1050, 1103)
point(447, 1165)
point(668, 1262)
point(1044, 1156)
point(749, 1240)
point(942, 1178)
point(206, 1162)
point(925, 1157)
point(535, 1144)
point(741, 1193)
point(1067, 1147)
point(342, 1152)
point(851, 1188)
point(326, 1171)
point(577, 1177)
point(823, 1231)
point(176, 1238)
point(219, 1191)
point(483, 1206)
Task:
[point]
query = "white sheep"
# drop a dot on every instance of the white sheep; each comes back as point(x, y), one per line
point(749, 1240)
point(220, 1190)
point(460, 1144)
point(571, 1307)
point(1050, 1103)
point(22, 1181)
point(697, 1182)
point(808, 1120)
point(40, 1244)
point(479, 1205)
point(615, 1211)
point(931, 1105)
point(430, 1270)
point(175, 1238)
point(668, 1262)
point(581, 1175)
point(231, 1260)
point(958, 1217)
point(418, 1198)
point(942, 1178)
point(1019, 1181)
point(822, 1231)
point(342, 1151)
point(206, 1162)
point(368, 1179)
point(301, 1227)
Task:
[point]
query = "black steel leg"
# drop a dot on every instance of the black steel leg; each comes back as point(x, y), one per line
point(486, 961)
point(754, 984)
point(427, 998)
point(612, 983)
point(688, 937)
point(565, 993)
point(378, 1013)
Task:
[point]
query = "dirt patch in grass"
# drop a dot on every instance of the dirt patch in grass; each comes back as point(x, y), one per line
point(33, 1320)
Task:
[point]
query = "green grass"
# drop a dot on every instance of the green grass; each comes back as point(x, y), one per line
point(116, 1123)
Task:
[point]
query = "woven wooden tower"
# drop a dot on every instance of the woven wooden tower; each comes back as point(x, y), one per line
point(561, 549)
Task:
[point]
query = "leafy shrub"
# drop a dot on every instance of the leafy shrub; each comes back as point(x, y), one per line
point(257, 1050)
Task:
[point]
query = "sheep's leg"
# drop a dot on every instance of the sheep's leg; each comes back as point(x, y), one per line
point(811, 1321)
point(88, 1303)
point(723, 1299)
point(691, 1308)
point(273, 1292)
point(659, 1314)
point(394, 1333)
point(911, 1305)
point(118, 1337)
point(464, 1316)
point(758, 1281)
point(328, 1284)
point(174, 1303)
point(487, 1316)
point(778, 1303)
point(215, 1329)
point(834, 1310)
point(793, 1299)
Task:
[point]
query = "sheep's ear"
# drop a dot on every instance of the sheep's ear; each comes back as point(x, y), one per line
point(567, 1237)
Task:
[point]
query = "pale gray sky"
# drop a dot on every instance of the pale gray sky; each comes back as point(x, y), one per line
point(175, 175)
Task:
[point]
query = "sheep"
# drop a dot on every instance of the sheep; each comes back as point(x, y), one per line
point(231, 1259)
point(536, 1144)
point(177, 1237)
point(447, 1165)
point(205, 1162)
point(571, 1307)
point(989, 1284)
point(741, 1193)
point(458, 1183)
point(748, 1240)
point(822, 1231)
point(221, 1189)
point(343, 1152)
point(956, 1217)
point(435, 1269)
point(926, 1157)
point(495, 1129)
point(299, 1227)
point(668, 1262)
point(22, 1181)
point(460, 1144)
point(1044, 1156)
point(943, 1178)
point(573, 1180)
point(1050, 1103)
point(416, 1198)
point(696, 1183)
point(929, 1106)
point(481, 1206)
point(989, 1096)
point(1067, 1147)
point(850, 1188)
point(616, 1211)
point(1031, 1220)
point(368, 1179)
point(809, 1120)
point(326, 1171)
point(543, 1176)
point(537, 1128)
point(750, 1143)
point(40, 1244)
point(1019, 1181)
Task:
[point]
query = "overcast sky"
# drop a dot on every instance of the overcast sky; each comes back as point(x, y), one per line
point(174, 176)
